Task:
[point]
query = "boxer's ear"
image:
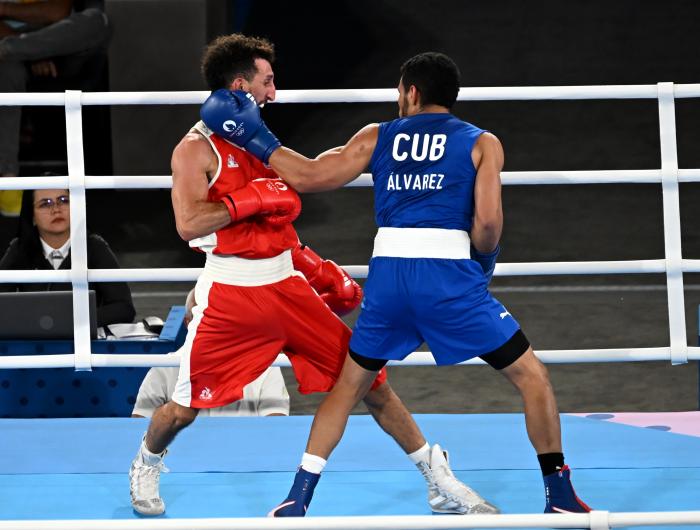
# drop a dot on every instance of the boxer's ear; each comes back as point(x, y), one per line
point(239, 83)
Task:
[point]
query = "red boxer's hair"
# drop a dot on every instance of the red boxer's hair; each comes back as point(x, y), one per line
point(231, 56)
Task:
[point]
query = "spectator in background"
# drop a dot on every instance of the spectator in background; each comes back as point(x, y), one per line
point(266, 396)
point(43, 242)
point(44, 38)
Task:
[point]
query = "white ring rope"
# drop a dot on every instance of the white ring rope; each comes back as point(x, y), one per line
point(596, 520)
point(420, 358)
point(668, 175)
point(508, 178)
point(361, 95)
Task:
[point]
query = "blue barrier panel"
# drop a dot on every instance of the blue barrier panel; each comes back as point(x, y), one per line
point(65, 393)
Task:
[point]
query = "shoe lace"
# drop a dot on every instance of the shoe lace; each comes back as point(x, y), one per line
point(427, 473)
point(145, 480)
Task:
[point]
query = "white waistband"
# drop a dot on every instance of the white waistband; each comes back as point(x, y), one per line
point(421, 243)
point(233, 270)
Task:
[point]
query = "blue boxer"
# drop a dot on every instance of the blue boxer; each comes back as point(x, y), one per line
point(424, 284)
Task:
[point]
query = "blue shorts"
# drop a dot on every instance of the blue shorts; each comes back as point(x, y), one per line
point(442, 302)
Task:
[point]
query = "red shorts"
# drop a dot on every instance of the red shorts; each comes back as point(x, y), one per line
point(237, 332)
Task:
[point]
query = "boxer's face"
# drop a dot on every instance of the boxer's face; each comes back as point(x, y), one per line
point(408, 100)
point(262, 85)
point(403, 103)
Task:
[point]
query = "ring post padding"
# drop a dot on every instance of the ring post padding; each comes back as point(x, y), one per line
point(78, 231)
point(672, 224)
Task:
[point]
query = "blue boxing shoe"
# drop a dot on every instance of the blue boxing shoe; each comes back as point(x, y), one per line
point(299, 497)
point(560, 494)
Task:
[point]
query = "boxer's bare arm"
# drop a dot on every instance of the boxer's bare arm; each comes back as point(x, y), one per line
point(487, 156)
point(333, 150)
point(331, 169)
point(192, 160)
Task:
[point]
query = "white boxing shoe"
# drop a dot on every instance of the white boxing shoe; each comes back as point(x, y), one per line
point(144, 483)
point(446, 493)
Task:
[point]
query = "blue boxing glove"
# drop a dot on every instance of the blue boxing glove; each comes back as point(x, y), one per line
point(234, 115)
point(487, 261)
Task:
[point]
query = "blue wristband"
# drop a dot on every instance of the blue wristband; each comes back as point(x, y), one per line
point(486, 260)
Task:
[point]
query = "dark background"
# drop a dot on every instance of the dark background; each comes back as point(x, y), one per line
point(361, 44)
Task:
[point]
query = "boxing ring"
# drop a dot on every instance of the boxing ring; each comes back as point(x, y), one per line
point(229, 471)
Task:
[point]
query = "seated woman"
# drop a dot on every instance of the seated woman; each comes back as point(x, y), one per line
point(43, 242)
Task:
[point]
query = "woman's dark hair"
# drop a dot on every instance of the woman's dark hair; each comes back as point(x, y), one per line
point(27, 233)
point(436, 77)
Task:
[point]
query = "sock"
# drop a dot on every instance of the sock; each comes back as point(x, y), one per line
point(312, 463)
point(421, 455)
point(148, 458)
point(550, 462)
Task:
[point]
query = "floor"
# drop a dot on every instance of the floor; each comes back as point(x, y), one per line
point(233, 467)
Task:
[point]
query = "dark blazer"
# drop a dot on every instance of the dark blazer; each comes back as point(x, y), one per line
point(113, 299)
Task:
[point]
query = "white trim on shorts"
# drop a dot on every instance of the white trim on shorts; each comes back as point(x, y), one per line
point(182, 395)
point(234, 270)
point(421, 243)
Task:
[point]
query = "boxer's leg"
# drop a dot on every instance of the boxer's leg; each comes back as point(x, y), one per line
point(531, 378)
point(144, 474)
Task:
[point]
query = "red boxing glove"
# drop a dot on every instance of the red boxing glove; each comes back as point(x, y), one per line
point(273, 198)
point(336, 288)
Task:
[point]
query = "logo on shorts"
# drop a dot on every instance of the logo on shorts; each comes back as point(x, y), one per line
point(231, 162)
point(504, 314)
point(206, 394)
